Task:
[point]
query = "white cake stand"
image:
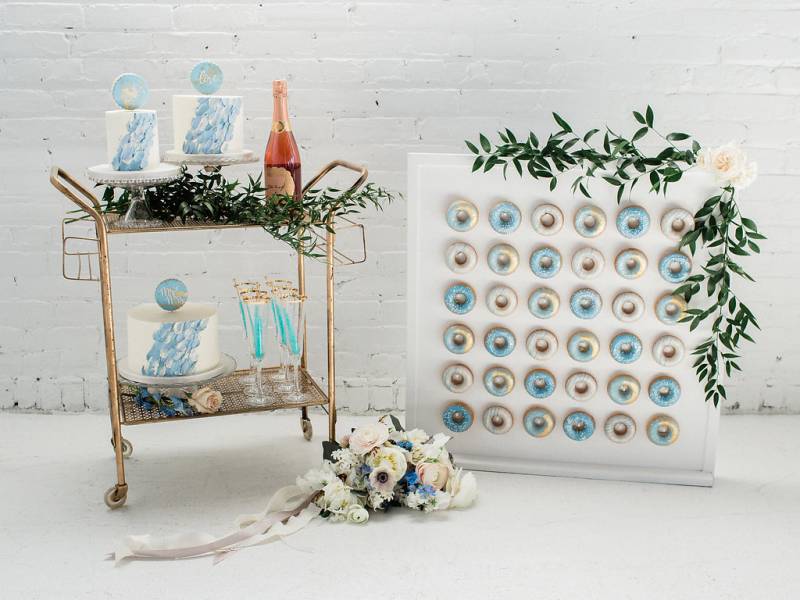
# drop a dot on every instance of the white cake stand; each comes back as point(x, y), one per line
point(226, 366)
point(136, 182)
point(210, 162)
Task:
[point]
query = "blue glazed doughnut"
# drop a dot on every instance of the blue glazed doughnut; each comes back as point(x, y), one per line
point(585, 303)
point(462, 215)
point(626, 348)
point(633, 222)
point(538, 421)
point(458, 417)
point(675, 267)
point(545, 262)
point(631, 263)
point(670, 309)
point(498, 381)
point(620, 428)
point(503, 259)
point(664, 391)
point(579, 426)
point(590, 221)
point(623, 389)
point(505, 217)
point(583, 346)
point(547, 219)
point(543, 303)
point(458, 339)
point(540, 383)
point(662, 430)
point(499, 342)
point(459, 298)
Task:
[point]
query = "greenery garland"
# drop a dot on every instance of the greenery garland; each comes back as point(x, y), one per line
point(719, 225)
point(210, 197)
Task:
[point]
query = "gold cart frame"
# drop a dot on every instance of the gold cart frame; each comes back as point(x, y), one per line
point(122, 408)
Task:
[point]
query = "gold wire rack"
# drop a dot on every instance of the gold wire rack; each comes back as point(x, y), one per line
point(90, 258)
point(234, 399)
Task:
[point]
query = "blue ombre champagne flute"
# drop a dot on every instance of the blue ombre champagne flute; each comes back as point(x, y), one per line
point(279, 288)
point(246, 287)
point(257, 311)
point(294, 324)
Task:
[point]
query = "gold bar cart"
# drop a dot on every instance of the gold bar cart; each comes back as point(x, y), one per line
point(122, 408)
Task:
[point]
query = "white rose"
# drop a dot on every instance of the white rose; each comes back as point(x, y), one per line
point(746, 176)
point(337, 496)
point(364, 439)
point(357, 514)
point(390, 456)
point(206, 400)
point(463, 489)
point(728, 163)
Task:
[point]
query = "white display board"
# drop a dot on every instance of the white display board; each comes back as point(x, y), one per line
point(435, 182)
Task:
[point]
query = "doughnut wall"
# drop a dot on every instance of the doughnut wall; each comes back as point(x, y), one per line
point(543, 332)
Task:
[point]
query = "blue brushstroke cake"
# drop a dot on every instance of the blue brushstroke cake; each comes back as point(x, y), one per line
point(172, 343)
point(131, 132)
point(205, 124)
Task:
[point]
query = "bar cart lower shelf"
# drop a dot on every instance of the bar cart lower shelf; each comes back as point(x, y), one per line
point(123, 409)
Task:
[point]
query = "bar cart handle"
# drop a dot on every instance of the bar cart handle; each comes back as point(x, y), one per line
point(361, 170)
point(67, 185)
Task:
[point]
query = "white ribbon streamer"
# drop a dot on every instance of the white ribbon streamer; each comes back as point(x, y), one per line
point(288, 511)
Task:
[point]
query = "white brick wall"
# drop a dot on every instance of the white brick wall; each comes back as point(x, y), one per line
point(370, 81)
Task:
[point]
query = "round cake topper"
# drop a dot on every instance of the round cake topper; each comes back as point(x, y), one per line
point(171, 294)
point(130, 91)
point(206, 77)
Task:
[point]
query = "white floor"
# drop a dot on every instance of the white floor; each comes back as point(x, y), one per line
point(528, 537)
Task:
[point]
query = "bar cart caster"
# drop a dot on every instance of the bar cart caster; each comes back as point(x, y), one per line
point(127, 447)
point(116, 496)
point(123, 409)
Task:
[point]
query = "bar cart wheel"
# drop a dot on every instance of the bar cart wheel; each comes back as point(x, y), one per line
point(116, 496)
point(308, 429)
point(127, 447)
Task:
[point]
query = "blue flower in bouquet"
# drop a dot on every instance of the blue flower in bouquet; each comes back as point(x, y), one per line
point(411, 478)
point(365, 469)
point(405, 445)
point(426, 490)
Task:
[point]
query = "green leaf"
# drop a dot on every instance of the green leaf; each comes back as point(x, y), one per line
point(638, 116)
point(612, 180)
point(749, 223)
point(485, 144)
point(472, 147)
point(648, 116)
point(589, 134)
point(562, 123)
point(640, 133)
point(677, 137)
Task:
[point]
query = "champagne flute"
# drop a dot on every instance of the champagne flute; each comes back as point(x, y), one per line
point(294, 322)
point(242, 287)
point(257, 310)
point(278, 289)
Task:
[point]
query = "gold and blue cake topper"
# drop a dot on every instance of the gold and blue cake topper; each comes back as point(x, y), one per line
point(171, 294)
point(206, 77)
point(130, 91)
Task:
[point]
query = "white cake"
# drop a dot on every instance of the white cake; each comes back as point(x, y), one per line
point(132, 139)
point(208, 124)
point(181, 342)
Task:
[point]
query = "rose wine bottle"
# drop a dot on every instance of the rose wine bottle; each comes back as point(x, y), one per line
point(281, 158)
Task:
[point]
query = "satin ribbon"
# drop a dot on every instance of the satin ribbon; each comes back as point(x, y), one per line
point(288, 511)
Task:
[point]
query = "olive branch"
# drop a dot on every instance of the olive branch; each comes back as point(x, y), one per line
point(719, 226)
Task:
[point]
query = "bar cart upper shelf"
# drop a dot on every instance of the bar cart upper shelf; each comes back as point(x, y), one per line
point(122, 407)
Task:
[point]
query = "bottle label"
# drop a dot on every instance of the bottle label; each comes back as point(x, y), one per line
point(278, 181)
point(281, 126)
